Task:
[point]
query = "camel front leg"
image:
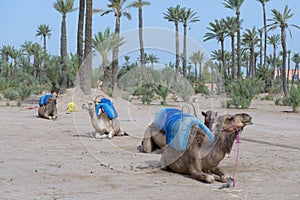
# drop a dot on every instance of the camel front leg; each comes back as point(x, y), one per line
point(200, 175)
point(147, 142)
point(219, 174)
point(110, 134)
point(100, 135)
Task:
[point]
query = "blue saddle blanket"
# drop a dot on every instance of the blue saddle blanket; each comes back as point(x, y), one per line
point(108, 108)
point(44, 99)
point(177, 126)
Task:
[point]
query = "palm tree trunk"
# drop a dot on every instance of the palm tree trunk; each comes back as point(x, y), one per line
point(274, 63)
point(266, 34)
point(233, 57)
point(223, 59)
point(260, 49)
point(283, 70)
point(251, 68)
point(184, 52)
point(80, 32)
point(141, 40)
point(115, 62)
point(87, 68)
point(63, 53)
point(238, 47)
point(44, 37)
point(289, 68)
point(177, 62)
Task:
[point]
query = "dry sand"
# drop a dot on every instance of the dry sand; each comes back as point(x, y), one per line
point(43, 159)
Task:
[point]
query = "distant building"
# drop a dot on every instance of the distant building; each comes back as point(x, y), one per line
point(291, 74)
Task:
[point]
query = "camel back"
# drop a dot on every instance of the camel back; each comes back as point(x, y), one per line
point(107, 107)
point(177, 126)
point(44, 99)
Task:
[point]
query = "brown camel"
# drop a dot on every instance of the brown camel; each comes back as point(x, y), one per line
point(201, 158)
point(49, 110)
point(155, 138)
point(104, 127)
point(209, 118)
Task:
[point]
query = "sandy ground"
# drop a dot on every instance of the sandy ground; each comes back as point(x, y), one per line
point(43, 159)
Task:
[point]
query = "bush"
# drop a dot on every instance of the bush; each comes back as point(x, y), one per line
point(295, 98)
point(243, 91)
point(11, 94)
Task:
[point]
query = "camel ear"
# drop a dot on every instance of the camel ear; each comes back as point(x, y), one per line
point(204, 114)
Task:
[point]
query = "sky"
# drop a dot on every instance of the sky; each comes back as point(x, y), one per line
point(20, 20)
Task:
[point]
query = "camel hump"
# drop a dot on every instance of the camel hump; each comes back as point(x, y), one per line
point(44, 99)
point(108, 107)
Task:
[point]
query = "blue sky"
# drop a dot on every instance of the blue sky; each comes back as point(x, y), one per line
point(20, 20)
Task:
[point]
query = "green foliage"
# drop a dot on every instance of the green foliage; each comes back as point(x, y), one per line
point(243, 92)
point(199, 87)
point(295, 98)
point(19, 103)
point(163, 92)
point(11, 94)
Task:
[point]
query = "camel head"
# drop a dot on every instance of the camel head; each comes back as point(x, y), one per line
point(88, 105)
point(209, 118)
point(233, 123)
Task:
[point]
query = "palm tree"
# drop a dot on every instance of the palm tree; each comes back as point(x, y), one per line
point(44, 31)
point(153, 59)
point(186, 16)
point(281, 21)
point(64, 7)
point(296, 60)
point(6, 51)
point(263, 3)
point(236, 5)
point(139, 4)
point(118, 8)
point(193, 59)
point(86, 68)
point(274, 40)
point(80, 31)
point(36, 51)
point(232, 26)
point(200, 59)
point(289, 66)
point(250, 39)
point(173, 15)
point(103, 43)
point(218, 31)
point(26, 46)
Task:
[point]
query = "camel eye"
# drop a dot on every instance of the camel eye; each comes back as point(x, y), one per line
point(230, 119)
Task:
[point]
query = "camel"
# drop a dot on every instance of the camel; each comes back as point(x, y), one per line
point(201, 158)
point(104, 127)
point(49, 110)
point(154, 138)
point(209, 118)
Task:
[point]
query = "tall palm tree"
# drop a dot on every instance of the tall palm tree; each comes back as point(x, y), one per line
point(36, 51)
point(153, 59)
point(139, 4)
point(26, 46)
point(44, 31)
point(263, 3)
point(217, 55)
point(296, 60)
point(173, 15)
point(274, 40)
point(5, 52)
point(200, 57)
point(118, 8)
point(250, 39)
point(236, 6)
point(280, 20)
point(187, 16)
point(289, 67)
point(193, 59)
point(232, 27)
point(104, 43)
point(86, 68)
point(80, 31)
point(64, 7)
point(218, 31)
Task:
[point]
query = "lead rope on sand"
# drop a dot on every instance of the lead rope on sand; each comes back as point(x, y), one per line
point(238, 142)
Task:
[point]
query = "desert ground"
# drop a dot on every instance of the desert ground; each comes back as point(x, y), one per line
point(45, 159)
